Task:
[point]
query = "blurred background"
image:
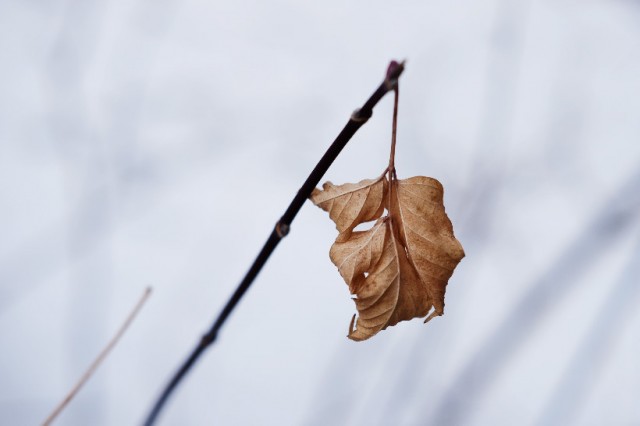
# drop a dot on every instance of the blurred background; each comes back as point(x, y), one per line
point(156, 143)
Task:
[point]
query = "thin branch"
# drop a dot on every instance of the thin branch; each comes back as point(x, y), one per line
point(96, 363)
point(281, 229)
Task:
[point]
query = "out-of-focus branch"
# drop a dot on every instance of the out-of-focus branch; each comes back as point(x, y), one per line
point(484, 366)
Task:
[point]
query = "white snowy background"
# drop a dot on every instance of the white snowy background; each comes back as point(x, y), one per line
point(156, 143)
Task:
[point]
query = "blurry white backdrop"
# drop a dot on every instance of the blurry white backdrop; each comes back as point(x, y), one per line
point(156, 143)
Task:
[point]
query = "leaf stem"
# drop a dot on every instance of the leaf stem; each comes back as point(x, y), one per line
point(281, 229)
point(394, 126)
point(391, 169)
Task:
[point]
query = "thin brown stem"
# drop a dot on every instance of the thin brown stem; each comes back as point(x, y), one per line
point(392, 156)
point(394, 127)
point(96, 363)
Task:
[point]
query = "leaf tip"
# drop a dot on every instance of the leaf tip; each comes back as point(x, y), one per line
point(435, 313)
point(351, 324)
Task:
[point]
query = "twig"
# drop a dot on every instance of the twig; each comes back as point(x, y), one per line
point(281, 229)
point(96, 363)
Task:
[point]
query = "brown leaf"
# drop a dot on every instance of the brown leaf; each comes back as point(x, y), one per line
point(352, 203)
point(368, 263)
point(427, 234)
point(398, 269)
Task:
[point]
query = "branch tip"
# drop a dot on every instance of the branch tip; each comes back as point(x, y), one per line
point(394, 70)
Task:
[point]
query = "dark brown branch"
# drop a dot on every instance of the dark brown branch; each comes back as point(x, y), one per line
point(358, 118)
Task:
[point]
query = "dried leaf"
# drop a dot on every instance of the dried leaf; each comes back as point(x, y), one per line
point(352, 203)
point(427, 234)
point(398, 269)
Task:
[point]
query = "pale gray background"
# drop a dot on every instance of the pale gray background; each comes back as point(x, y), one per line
point(157, 142)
